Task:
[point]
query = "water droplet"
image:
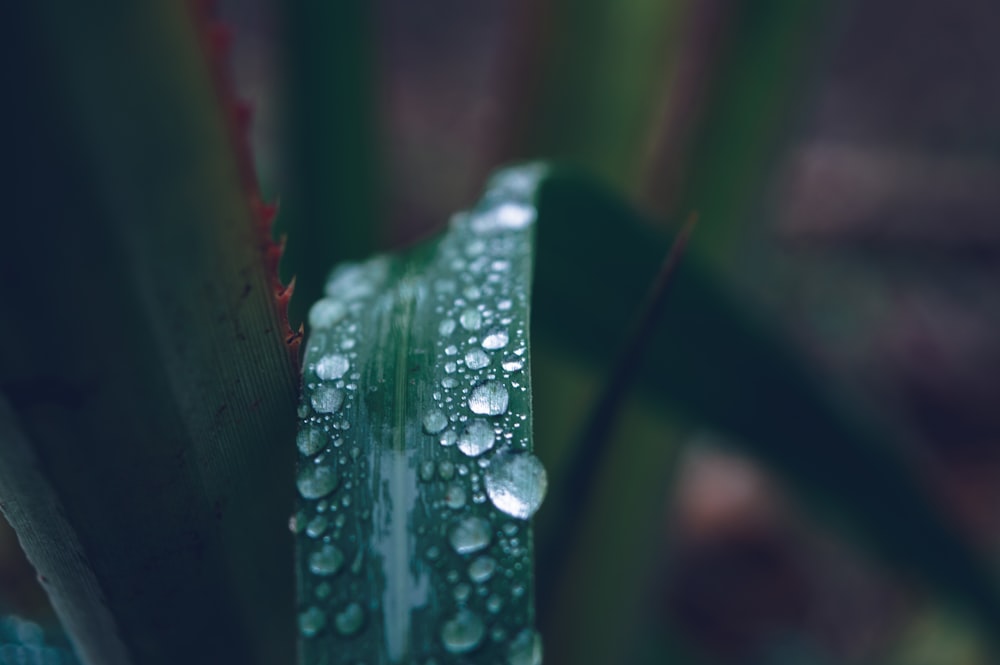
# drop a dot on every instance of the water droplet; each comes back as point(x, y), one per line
point(323, 590)
point(450, 350)
point(326, 312)
point(476, 359)
point(455, 497)
point(312, 621)
point(507, 216)
point(434, 421)
point(316, 481)
point(316, 527)
point(327, 399)
point(470, 535)
point(481, 569)
point(526, 649)
point(489, 399)
point(446, 470)
point(447, 327)
point(512, 363)
point(310, 440)
point(462, 633)
point(427, 471)
point(504, 305)
point(450, 367)
point(350, 620)
point(471, 319)
point(516, 484)
point(448, 382)
point(477, 438)
point(496, 338)
point(494, 603)
point(332, 367)
point(351, 281)
point(327, 561)
point(461, 592)
point(448, 438)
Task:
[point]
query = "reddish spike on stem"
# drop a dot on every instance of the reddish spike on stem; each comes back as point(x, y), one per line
point(216, 43)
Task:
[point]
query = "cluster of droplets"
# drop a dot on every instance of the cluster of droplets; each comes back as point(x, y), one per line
point(488, 477)
point(328, 468)
point(479, 477)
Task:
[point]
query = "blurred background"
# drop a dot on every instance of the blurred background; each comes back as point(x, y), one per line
point(857, 147)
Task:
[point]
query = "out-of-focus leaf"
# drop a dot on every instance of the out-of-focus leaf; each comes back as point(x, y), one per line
point(416, 476)
point(23, 643)
point(145, 380)
point(329, 204)
point(719, 365)
point(591, 81)
point(757, 82)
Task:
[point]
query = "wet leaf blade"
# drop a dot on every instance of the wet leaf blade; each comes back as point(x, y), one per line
point(416, 477)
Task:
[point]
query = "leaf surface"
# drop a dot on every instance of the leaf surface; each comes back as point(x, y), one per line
point(416, 476)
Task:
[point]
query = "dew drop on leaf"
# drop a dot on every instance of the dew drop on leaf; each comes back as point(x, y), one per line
point(332, 367)
point(516, 484)
point(327, 399)
point(481, 569)
point(494, 604)
point(311, 621)
point(446, 470)
point(509, 216)
point(477, 438)
point(496, 338)
point(470, 535)
point(434, 421)
point(350, 620)
point(463, 633)
point(327, 561)
point(310, 440)
point(455, 497)
point(461, 593)
point(316, 526)
point(316, 481)
point(326, 312)
point(471, 319)
point(476, 359)
point(512, 363)
point(489, 399)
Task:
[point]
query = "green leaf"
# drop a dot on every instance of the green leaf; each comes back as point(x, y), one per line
point(757, 82)
point(592, 82)
point(719, 365)
point(415, 475)
point(330, 201)
point(145, 383)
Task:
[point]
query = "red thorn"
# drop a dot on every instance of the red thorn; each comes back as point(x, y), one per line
point(216, 40)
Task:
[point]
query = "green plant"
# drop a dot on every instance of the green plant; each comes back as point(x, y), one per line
point(147, 443)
